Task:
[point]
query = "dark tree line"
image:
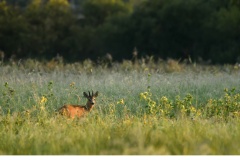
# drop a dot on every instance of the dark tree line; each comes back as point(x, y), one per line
point(207, 29)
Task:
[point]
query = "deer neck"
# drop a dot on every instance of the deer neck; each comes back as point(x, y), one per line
point(89, 106)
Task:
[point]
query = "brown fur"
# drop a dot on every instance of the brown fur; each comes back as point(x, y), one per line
point(73, 111)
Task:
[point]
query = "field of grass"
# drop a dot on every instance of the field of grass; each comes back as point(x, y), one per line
point(142, 108)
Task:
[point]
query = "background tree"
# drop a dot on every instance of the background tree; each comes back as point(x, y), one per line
point(12, 27)
point(79, 29)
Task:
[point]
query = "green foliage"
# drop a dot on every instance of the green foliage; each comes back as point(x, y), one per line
point(20, 3)
point(224, 34)
point(222, 108)
point(11, 29)
point(180, 113)
point(97, 11)
point(225, 106)
point(48, 28)
point(179, 29)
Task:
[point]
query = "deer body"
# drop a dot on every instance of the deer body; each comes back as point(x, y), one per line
point(73, 111)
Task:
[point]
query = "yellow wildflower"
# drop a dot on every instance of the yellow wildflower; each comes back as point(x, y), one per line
point(193, 109)
point(72, 84)
point(42, 108)
point(145, 95)
point(43, 100)
point(121, 101)
point(183, 109)
point(164, 99)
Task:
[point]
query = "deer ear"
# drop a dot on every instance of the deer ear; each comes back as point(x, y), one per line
point(85, 94)
point(96, 94)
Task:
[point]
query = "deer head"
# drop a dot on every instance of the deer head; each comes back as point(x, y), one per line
point(91, 97)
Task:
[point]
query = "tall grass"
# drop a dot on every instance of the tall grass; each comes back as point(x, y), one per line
point(119, 124)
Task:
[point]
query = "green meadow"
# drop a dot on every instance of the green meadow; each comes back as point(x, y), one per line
point(143, 108)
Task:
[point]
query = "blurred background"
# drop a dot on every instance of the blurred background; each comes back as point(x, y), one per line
point(199, 30)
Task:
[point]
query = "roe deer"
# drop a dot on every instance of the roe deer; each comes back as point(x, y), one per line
point(73, 111)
